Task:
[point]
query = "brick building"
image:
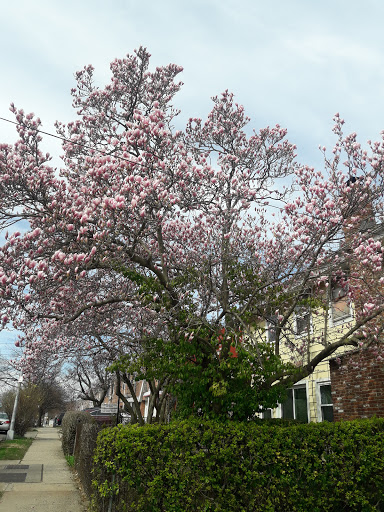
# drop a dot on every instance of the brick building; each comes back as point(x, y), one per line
point(141, 389)
point(357, 381)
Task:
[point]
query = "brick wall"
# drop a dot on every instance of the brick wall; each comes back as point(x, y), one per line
point(358, 385)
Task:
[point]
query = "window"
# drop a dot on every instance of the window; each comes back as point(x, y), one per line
point(267, 414)
point(296, 406)
point(271, 328)
point(302, 320)
point(325, 402)
point(340, 308)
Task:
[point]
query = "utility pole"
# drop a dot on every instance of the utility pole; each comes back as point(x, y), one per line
point(11, 431)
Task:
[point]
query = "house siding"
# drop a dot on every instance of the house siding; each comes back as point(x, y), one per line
point(321, 373)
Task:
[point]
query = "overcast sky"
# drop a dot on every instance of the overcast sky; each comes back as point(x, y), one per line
point(295, 63)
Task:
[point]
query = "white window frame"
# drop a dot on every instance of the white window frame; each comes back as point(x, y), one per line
point(319, 383)
point(111, 389)
point(146, 405)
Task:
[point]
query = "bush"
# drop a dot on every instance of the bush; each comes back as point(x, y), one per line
point(84, 453)
point(224, 467)
point(27, 408)
point(70, 423)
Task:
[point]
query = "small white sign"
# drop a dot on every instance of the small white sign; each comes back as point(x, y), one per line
point(111, 408)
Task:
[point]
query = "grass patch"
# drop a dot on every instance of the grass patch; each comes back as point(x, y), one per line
point(15, 449)
point(71, 460)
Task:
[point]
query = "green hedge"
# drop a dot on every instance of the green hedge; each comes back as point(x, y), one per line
point(195, 466)
point(85, 447)
point(69, 425)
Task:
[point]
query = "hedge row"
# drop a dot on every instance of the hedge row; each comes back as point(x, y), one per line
point(206, 466)
point(69, 425)
point(85, 447)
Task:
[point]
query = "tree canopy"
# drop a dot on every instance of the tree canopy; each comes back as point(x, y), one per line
point(179, 247)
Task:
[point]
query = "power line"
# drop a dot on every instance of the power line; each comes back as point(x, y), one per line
point(105, 153)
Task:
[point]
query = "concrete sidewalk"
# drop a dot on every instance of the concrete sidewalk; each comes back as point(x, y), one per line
point(46, 482)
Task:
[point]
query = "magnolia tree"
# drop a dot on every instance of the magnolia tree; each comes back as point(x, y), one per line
point(186, 244)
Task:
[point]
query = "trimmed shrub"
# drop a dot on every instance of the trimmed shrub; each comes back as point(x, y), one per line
point(70, 423)
point(224, 467)
point(84, 453)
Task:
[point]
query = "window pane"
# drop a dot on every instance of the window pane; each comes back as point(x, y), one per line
point(287, 406)
point(340, 310)
point(267, 415)
point(303, 320)
point(301, 404)
point(338, 291)
point(325, 393)
point(271, 327)
point(327, 412)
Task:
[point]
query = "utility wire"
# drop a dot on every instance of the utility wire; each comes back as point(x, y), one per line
point(93, 149)
point(73, 142)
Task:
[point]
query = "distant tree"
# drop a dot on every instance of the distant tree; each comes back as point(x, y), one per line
point(97, 366)
point(88, 375)
point(27, 407)
point(50, 396)
point(45, 381)
point(34, 401)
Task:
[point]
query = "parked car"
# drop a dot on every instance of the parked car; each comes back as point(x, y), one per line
point(105, 418)
point(93, 411)
point(5, 422)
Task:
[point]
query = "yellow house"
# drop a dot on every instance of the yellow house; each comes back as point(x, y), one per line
point(311, 398)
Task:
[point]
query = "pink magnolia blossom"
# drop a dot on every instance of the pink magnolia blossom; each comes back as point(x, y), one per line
point(152, 233)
